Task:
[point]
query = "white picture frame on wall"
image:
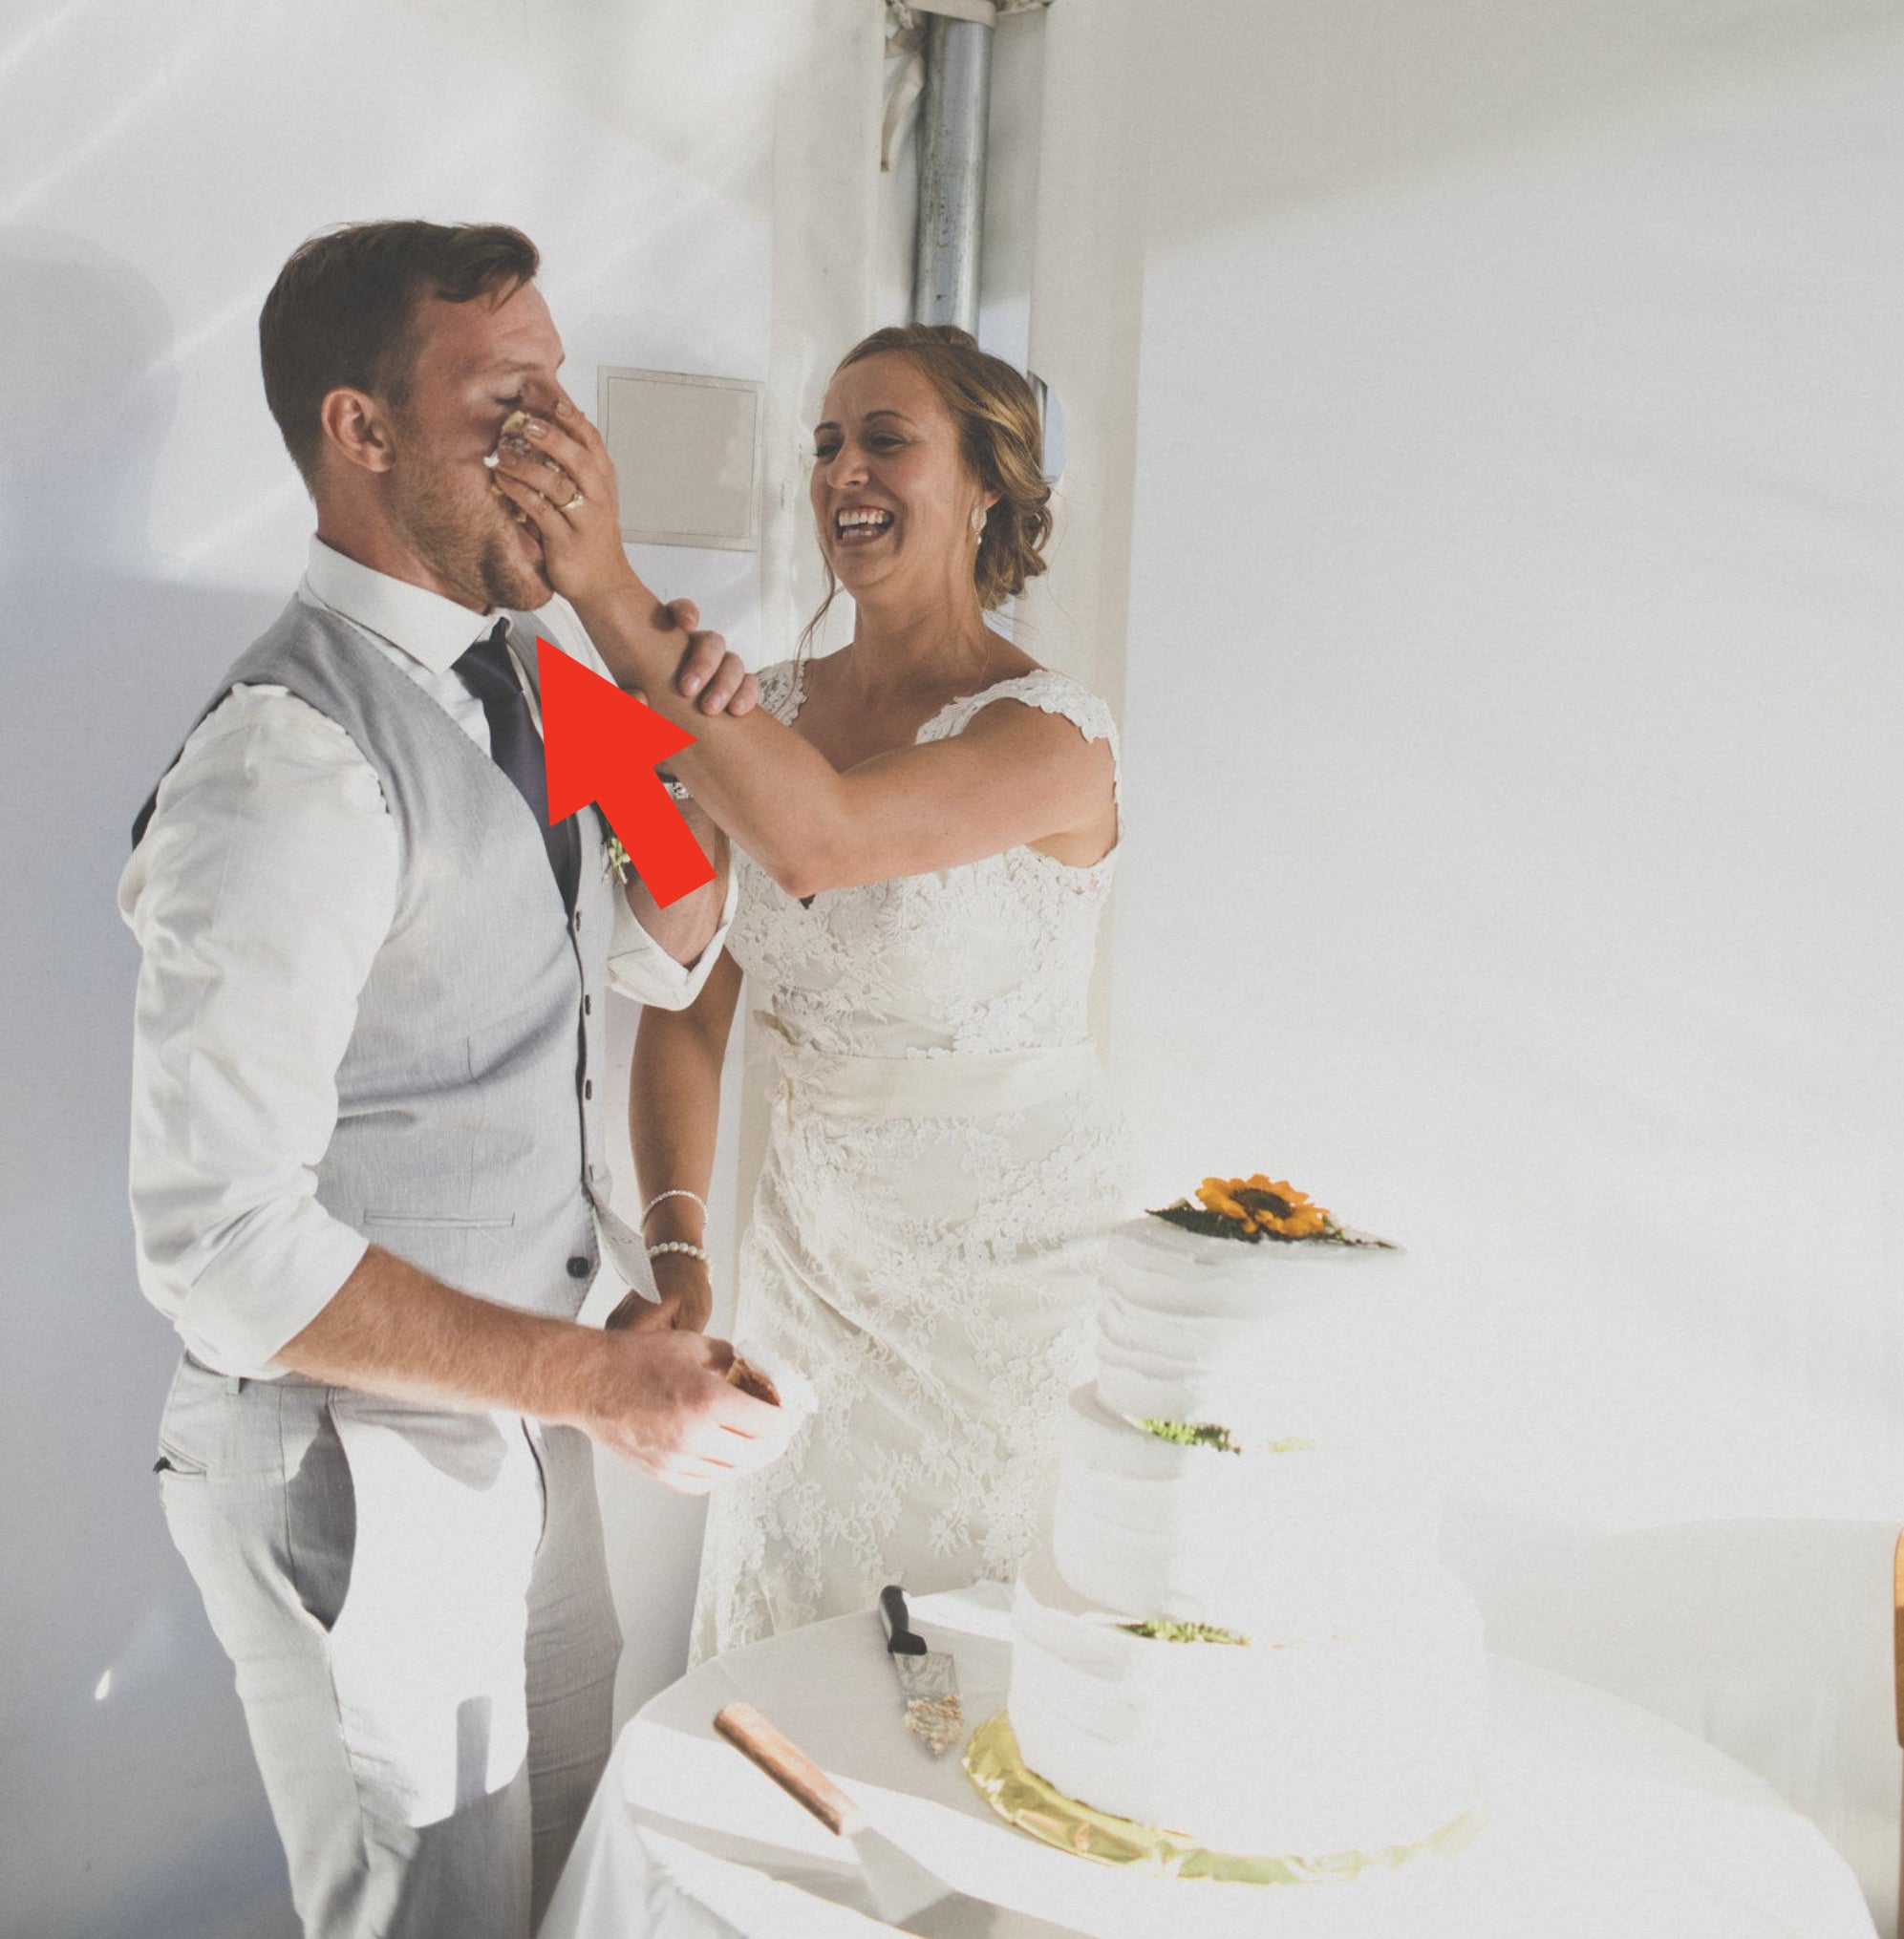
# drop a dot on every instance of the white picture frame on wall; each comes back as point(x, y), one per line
point(687, 456)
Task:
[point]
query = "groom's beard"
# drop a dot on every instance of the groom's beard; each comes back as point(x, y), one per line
point(469, 542)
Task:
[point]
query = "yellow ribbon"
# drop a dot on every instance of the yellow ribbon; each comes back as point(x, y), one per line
point(1020, 1796)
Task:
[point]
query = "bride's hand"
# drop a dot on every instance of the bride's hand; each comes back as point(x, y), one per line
point(555, 475)
point(686, 1303)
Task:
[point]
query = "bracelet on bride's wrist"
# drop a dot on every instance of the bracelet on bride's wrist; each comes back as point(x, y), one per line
point(693, 1250)
point(672, 1192)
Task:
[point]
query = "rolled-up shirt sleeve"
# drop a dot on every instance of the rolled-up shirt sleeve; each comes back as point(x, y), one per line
point(260, 896)
point(640, 967)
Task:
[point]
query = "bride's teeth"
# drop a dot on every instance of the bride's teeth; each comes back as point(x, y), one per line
point(868, 522)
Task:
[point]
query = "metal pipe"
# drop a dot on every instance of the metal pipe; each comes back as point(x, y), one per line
point(952, 171)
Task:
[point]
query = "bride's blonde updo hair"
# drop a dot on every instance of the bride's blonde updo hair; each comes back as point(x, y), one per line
point(1001, 440)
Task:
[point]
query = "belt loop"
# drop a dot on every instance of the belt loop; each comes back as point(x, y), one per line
point(232, 1383)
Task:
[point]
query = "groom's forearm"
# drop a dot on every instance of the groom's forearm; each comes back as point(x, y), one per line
point(391, 1329)
point(662, 1401)
point(688, 924)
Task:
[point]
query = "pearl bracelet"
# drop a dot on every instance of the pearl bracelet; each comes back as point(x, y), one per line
point(672, 1192)
point(679, 1245)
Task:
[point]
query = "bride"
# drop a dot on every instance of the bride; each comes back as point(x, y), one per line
point(925, 845)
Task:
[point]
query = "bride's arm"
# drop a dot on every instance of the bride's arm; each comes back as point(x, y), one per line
point(673, 1113)
point(1015, 774)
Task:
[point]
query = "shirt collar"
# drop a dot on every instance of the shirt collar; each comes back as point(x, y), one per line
point(433, 631)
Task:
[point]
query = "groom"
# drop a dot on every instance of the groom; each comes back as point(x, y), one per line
point(367, 1176)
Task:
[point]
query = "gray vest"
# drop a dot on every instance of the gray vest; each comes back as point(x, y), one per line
point(468, 1132)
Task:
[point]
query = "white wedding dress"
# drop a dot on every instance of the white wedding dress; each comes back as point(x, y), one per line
point(943, 1165)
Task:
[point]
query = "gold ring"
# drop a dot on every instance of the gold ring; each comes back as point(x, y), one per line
point(574, 504)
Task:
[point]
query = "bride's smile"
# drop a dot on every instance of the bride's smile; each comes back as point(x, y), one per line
point(859, 526)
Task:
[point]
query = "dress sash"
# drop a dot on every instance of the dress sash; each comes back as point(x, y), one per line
point(957, 1084)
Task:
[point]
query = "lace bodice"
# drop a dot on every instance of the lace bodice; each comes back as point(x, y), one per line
point(989, 956)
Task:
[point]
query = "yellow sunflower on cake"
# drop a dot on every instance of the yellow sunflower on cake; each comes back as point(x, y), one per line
point(1264, 1204)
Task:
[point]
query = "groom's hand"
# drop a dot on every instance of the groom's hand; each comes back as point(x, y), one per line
point(662, 1401)
point(708, 670)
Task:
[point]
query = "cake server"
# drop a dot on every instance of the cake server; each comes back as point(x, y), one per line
point(904, 1893)
point(928, 1678)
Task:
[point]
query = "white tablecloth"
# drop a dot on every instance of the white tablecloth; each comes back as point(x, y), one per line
point(1603, 1822)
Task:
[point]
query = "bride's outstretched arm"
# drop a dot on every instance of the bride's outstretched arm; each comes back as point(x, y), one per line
point(1015, 775)
point(673, 1113)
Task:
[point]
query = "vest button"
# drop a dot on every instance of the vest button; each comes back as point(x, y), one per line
point(579, 1268)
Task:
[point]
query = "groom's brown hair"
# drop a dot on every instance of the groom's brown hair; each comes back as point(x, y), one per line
point(343, 312)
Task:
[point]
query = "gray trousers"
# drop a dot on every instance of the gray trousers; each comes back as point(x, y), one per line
point(416, 1604)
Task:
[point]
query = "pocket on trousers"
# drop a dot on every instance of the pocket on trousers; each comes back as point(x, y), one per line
point(191, 1426)
point(320, 1516)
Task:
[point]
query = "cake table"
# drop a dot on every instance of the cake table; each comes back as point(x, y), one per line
point(1603, 1822)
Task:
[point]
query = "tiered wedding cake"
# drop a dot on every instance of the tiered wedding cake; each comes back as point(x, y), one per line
point(1241, 1632)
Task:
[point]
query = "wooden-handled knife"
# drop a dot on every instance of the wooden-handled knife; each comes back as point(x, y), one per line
point(904, 1893)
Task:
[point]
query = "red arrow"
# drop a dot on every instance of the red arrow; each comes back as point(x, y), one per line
point(600, 744)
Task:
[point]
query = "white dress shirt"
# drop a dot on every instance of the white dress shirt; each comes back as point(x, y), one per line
point(260, 893)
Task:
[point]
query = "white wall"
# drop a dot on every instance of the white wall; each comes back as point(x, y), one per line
point(159, 159)
point(1513, 737)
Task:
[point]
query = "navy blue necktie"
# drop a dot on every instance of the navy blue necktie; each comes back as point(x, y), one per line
point(516, 747)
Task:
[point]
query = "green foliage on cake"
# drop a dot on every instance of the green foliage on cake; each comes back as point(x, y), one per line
point(1162, 1631)
point(1194, 1218)
point(1193, 1434)
point(1208, 1434)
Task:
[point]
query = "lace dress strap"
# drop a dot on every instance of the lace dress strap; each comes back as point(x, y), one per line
point(781, 690)
point(1050, 693)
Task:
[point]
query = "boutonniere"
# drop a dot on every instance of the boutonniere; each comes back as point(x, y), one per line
point(615, 865)
point(616, 861)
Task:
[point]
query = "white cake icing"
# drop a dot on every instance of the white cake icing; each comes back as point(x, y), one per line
point(1350, 1720)
point(1317, 1745)
point(1272, 1340)
point(1262, 1540)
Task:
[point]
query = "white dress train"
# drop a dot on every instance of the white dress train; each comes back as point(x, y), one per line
point(943, 1165)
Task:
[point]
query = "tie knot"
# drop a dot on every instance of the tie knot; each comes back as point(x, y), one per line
point(485, 668)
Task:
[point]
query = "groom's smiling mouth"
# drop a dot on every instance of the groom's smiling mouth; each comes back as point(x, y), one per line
point(861, 524)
